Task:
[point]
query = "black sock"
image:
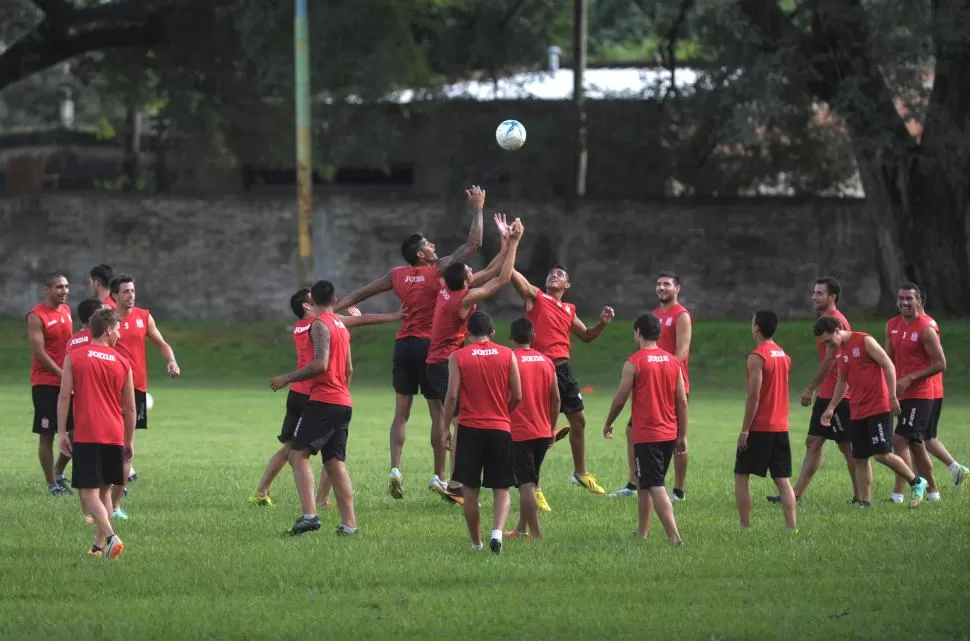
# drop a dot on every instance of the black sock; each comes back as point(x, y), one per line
point(631, 486)
point(915, 481)
point(678, 493)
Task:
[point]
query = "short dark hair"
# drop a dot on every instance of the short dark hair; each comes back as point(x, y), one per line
point(102, 274)
point(913, 287)
point(86, 309)
point(480, 324)
point(522, 331)
point(648, 326)
point(561, 267)
point(116, 283)
point(455, 275)
point(102, 319)
point(297, 300)
point(410, 246)
point(671, 275)
point(832, 286)
point(766, 321)
point(322, 292)
point(826, 325)
point(51, 277)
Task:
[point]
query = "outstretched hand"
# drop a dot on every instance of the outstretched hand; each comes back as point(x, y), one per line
point(607, 315)
point(504, 229)
point(517, 229)
point(476, 196)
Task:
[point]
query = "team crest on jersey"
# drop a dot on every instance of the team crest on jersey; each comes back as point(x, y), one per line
point(855, 352)
point(139, 323)
point(670, 322)
point(914, 337)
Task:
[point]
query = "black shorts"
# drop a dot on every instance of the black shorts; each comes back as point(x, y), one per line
point(871, 436)
point(527, 459)
point(914, 419)
point(933, 428)
point(295, 404)
point(570, 399)
point(652, 461)
point(95, 465)
point(141, 410)
point(483, 458)
point(323, 427)
point(838, 431)
point(766, 451)
point(45, 409)
point(436, 376)
point(410, 371)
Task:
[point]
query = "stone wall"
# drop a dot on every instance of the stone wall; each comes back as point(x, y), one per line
point(235, 259)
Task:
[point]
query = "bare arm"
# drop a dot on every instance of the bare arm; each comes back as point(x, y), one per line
point(493, 286)
point(684, 331)
point(888, 345)
point(824, 367)
point(841, 387)
point(515, 385)
point(320, 337)
point(526, 290)
point(476, 196)
point(588, 334)
point(35, 336)
point(492, 269)
point(128, 408)
point(64, 399)
point(627, 378)
point(681, 408)
point(370, 319)
point(379, 286)
point(349, 371)
point(931, 343)
point(554, 402)
point(752, 399)
point(451, 397)
point(167, 353)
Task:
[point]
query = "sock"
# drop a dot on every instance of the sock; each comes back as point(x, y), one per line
point(631, 486)
point(678, 493)
point(95, 548)
point(954, 467)
point(915, 481)
point(497, 534)
point(309, 517)
point(932, 496)
point(897, 498)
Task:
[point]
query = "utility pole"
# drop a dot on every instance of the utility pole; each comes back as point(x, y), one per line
point(304, 150)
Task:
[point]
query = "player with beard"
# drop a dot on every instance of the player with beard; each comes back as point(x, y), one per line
point(554, 322)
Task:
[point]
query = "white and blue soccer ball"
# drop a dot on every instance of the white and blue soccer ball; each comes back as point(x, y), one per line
point(510, 135)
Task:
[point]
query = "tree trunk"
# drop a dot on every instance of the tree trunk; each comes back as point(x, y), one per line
point(885, 238)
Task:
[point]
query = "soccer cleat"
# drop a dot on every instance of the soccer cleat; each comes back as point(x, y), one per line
point(515, 534)
point(495, 545)
point(437, 485)
point(63, 483)
point(395, 483)
point(589, 482)
point(623, 491)
point(960, 475)
point(261, 499)
point(454, 495)
point(918, 492)
point(541, 502)
point(96, 552)
point(477, 547)
point(114, 548)
point(677, 495)
point(343, 530)
point(560, 434)
point(57, 490)
point(119, 514)
point(132, 476)
point(777, 499)
point(304, 525)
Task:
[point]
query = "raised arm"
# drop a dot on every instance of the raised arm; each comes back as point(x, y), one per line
point(168, 354)
point(379, 286)
point(370, 319)
point(320, 338)
point(492, 287)
point(627, 378)
point(476, 197)
point(35, 336)
point(525, 289)
point(588, 334)
point(481, 277)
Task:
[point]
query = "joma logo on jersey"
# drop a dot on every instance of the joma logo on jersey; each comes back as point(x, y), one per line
point(105, 357)
point(777, 353)
point(53, 322)
point(533, 359)
point(658, 359)
point(80, 340)
point(414, 279)
point(485, 352)
point(301, 330)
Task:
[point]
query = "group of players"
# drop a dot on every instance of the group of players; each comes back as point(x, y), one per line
point(504, 402)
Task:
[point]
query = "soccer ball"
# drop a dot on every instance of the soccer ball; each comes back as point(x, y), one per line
point(148, 401)
point(510, 135)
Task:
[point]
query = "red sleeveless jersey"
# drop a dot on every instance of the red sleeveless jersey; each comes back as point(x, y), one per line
point(655, 396)
point(772, 413)
point(79, 340)
point(936, 378)
point(57, 327)
point(668, 334)
point(909, 354)
point(531, 418)
point(827, 388)
point(99, 373)
point(417, 287)
point(134, 329)
point(484, 390)
point(332, 386)
point(304, 351)
point(449, 330)
point(553, 321)
point(866, 380)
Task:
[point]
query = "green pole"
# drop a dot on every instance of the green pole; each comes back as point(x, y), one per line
point(304, 151)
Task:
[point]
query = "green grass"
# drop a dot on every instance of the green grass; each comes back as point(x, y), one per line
point(202, 564)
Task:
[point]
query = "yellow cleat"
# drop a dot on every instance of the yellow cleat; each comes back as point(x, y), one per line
point(589, 482)
point(261, 500)
point(541, 502)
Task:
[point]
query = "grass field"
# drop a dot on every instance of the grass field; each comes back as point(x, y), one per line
point(202, 564)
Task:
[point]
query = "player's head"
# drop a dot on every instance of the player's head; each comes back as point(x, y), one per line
point(100, 278)
point(557, 279)
point(668, 287)
point(764, 324)
point(480, 325)
point(123, 291)
point(457, 276)
point(301, 303)
point(830, 330)
point(909, 300)
point(105, 325)
point(646, 328)
point(417, 249)
point(322, 293)
point(522, 332)
point(56, 288)
point(86, 309)
point(826, 294)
